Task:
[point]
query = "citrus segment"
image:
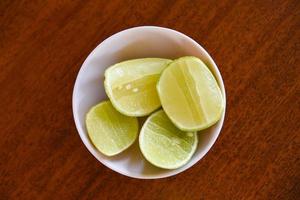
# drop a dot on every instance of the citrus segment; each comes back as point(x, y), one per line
point(131, 85)
point(190, 94)
point(163, 144)
point(110, 131)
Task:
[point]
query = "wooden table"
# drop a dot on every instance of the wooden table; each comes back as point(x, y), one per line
point(256, 46)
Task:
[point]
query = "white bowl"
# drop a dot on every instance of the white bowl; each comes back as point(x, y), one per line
point(138, 42)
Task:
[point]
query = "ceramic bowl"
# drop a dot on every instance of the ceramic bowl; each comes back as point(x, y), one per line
point(138, 42)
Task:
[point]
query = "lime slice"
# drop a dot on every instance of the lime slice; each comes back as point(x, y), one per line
point(131, 85)
point(110, 131)
point(163, 144)
point(190, 94)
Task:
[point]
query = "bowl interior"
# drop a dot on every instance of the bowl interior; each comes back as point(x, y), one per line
point(133, 43)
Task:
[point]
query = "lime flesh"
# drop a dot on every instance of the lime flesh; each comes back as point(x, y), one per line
point(131, 85)
point(163, 144)
point(110, 131)
point(190, 94)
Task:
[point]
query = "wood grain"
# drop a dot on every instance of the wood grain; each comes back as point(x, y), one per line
point(256, 45)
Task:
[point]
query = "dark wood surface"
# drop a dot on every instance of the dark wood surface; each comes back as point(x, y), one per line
point(256, 46)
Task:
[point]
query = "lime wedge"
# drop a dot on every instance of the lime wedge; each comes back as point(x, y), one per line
point(110, 131)
point(190, 94)
point(131, 85)
point(163, 144)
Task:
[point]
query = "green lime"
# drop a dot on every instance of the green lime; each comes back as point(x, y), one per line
point(110, 131)
point(131, 85)
point(163, 144)
point(190, 94)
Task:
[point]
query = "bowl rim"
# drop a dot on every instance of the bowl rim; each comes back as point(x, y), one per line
point(207, 146)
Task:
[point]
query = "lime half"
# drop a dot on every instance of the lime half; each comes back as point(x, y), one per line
point(110, 131)
point(131, 85)
point(190, 94)
point(163, 144)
